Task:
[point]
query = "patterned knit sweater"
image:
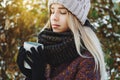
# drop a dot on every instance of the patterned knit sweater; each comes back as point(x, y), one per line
point(63, 61)
point(78, 69)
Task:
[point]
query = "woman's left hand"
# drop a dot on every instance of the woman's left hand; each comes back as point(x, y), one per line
point(38, 65)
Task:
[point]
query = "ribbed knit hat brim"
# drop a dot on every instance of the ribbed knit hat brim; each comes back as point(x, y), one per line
point(80, 8)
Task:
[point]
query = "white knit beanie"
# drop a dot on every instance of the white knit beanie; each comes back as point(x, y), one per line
point(80, 8)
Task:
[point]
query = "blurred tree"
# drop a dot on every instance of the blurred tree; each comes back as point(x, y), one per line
point(105, 15)
point(19, 22)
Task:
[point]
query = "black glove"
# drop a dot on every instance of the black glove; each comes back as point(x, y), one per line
point(20, 61)
point(38, 66)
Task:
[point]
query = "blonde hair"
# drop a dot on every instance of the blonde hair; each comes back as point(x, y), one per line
point(90, 40)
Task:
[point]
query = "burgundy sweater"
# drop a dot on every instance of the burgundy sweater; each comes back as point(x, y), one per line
point(78, 69)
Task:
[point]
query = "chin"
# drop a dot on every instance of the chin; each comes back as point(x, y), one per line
point(59, 30)
point(56, 31)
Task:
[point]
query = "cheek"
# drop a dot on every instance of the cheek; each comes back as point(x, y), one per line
point(64, 21)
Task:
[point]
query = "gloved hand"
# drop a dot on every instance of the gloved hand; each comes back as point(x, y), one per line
point(20, 61)
point(39, 61)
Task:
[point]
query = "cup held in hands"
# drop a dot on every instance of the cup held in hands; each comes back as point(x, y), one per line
point(27, 46)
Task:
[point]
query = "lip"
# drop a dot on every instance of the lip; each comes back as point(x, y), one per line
point(55, 25)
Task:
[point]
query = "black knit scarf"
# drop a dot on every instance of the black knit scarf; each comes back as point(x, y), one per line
point(58, 47)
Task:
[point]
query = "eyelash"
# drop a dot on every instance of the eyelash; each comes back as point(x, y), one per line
point(52, 12)
point(63, 12)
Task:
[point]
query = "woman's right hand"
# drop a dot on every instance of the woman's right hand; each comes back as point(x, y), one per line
point(20, 61)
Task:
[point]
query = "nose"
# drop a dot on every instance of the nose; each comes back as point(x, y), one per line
point(55, 16)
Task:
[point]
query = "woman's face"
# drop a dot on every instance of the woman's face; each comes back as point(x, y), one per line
point(58, 18)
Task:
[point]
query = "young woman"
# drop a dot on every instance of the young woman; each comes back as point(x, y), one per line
point(71, 51)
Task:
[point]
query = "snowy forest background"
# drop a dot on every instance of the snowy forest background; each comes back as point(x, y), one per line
point(21, 20)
